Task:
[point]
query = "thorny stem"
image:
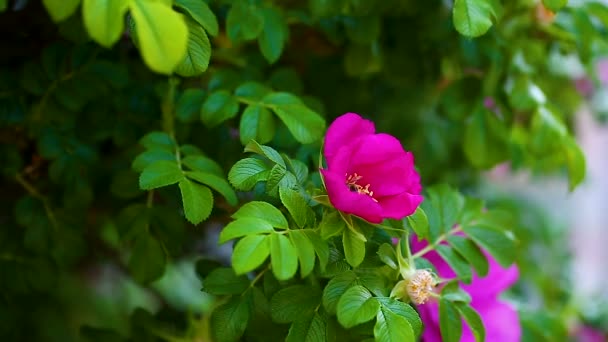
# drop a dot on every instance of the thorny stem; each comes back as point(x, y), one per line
point(439, 240)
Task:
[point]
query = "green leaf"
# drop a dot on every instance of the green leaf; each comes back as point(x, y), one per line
point(197, 199)
point(575, 162)
point(150, 156)
point(274, 35)
point(245, 21)
point(219, 107)
point(158, 141)
point(160, 173)
point(202, 164)
point(449, 321)
point(283, 257)
point(162, 42)
point(216, 183)
point(245, 173)
point(295, 204)
point(555, 5)
point(452, 292)
point(60, 9)
point(443, 208)
point(320, 246)
point(229, 320)
point(307, 329)
point(497, 242)
point(471, 253)
point(404, 310)
point(354, 248)
point(264, 211)
point(472, 18)
point(387, 254)
point(223, 281)
point(331, 225)
point(305, 125)
point(199, 11)
point(305, 251)
point(356, 306)
point(295, 301)
point(391, 327)
point(257, 124)
point(198, 51)
point(244, 226)
point(3, 5)
point(473, 320)
point(266, 151)
point(336, 288)
point(252, 91)
point(104, 19)
point(147, 262)
point(483, 144)
point(188, 107)
point(249, 253)
point(456, 262)
point(419, 223)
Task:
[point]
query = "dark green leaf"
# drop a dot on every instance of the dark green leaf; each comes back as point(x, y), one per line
point(245, 21)
point(203, 164)
point(453, 293)
point(471, 253)
point(305, 251)
point(249, 253)
point(419, 223)
point(449, 321)
point(148, 259)
point(188, 107)
point(223, 281)
point(307, 329)
point(354, 247)
point(331, 225)
point(257, 124)
point(293, 302)
point(247, 172)
point(243, 227)
point(473, 320)
point(158, 141)
point(495, 241)
point(229, 320)
point(150, 156)
point(160, 173)
point(197, 200)
point(274, 34)
point(320, 246)
point(199, 11)
point(283, 257)
point(387, 254)
point(456, 262)
point(219, 107)
point(404, 310)
point(336, 288)
point(391, 327)
point(252, 91)
point(216, 183)
point(266, 151)
point(356, 306)
point(305, 125)
point(198, 51)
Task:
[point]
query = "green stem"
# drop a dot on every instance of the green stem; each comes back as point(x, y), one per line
point(439, 240)
point(258, 276)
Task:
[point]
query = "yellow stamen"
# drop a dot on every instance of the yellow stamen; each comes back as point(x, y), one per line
point(351, 181)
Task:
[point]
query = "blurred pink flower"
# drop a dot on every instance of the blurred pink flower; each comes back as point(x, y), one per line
point(369, 175)
point(602, 70)
point(499, 318)
point(588, 334)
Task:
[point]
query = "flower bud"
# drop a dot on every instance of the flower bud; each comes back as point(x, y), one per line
point(420, 286)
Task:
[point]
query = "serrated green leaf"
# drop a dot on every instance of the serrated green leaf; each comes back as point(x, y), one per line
point(305, 125)
point(243, 227)
point(252, 91)
point(162, 42)
point(456, 262)
point(249, 253)
point(472, 18)
point(216, 183)
point(449, 321)
point(275, 176)
point(336, 288)
point(404, 310)
point(202, 164)
point(200, 11)
point(483, 144)
point(61, 9)
point(471, 253)
point(266, 151)
point(245, 173)
point(219, 107)
point(387, 254)
point(354, 248)
point(223, 281)
point(147, 262)
point(443, 208)
point(331, 225)
point(321, 247)
point(292, 302)
point(307, 329)
point(229, 320)
point(305, 251)
point(473, 320)
point(356, 306)
point(158, 141)
point(160, 173)
point(264, 211)
point(295, 204)
point(391, 327)
point(188, 106)
point(198, 51)
point(274, 34)
point(104, 19)
point(419, 223)
point(497, 242)
point(197, 200)
point(244, 21)
point(283, 257)
point(257, 123)
point(150, 156)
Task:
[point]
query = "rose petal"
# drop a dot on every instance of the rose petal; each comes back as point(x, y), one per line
point(391, 177)
point(344, 130)
point(496, 281)
point(399, 206)
point(377, 148)
point(350, 202)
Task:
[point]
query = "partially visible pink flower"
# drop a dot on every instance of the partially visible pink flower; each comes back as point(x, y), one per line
point(499, 318)
point(369, 175)
point(588, 334)
point(584, 86)
point(602, 70)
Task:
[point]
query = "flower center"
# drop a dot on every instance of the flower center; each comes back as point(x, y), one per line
point(421, 286)
point(351, 182)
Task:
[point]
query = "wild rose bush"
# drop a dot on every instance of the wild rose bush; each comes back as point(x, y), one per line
point(314, 167)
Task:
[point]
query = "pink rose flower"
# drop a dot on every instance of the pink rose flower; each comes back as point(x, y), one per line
point(500, 320)
point(588, 334)
point(369, 175)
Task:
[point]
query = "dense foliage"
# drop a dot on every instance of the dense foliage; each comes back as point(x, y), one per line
point(133, 132)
